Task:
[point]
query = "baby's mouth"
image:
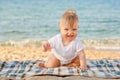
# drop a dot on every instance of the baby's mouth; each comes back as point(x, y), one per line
point(70, 36)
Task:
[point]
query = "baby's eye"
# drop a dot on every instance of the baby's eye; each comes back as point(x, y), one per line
point(66, 29)
point(74, 29)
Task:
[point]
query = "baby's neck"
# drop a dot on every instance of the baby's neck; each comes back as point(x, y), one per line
point(66, 42)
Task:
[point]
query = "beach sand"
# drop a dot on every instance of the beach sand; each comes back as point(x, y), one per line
point(9, 53)
point(21, 53)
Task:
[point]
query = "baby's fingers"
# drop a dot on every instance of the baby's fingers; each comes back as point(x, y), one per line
point(83, 68)
point(44, 47)
point(48, 45)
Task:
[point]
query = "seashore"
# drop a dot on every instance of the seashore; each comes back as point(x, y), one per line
point(94, 50)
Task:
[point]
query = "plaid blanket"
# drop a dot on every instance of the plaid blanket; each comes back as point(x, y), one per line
point(97, 68)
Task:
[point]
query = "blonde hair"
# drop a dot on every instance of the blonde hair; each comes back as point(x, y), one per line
point(69, 18)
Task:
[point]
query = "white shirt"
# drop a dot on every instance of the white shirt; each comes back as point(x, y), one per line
point(65, 53)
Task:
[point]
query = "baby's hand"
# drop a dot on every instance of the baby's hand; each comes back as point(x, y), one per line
point(83, 67)
point(46, 47)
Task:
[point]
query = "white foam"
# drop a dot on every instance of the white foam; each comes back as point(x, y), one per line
point(107, 48)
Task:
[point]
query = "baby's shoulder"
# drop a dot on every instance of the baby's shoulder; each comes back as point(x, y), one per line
point(77, 41)
point(54, 38)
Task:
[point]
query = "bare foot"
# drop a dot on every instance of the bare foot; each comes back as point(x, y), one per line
point(41, 65)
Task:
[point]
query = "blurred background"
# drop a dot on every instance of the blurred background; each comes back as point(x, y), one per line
point(39, 19)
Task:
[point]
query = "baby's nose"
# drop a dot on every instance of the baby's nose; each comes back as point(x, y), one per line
point(70, 32)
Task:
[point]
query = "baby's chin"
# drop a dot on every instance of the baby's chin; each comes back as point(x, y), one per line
point(70, 38)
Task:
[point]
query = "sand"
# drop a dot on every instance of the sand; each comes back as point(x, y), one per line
point(9, 53)
point(21, 53)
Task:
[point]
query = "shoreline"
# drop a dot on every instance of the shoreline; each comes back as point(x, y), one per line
point(31, 49)
point(21, 53)
point(33, 52)
point(98, 42)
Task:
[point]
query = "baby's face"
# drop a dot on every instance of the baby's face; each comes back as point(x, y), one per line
point(69, 33)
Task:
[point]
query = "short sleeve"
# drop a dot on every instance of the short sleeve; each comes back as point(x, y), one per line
point(53, 41)
point(79, 45)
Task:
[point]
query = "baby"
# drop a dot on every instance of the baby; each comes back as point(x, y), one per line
point(66, 48)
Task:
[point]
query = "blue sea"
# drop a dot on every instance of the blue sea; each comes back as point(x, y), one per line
point(39, 19)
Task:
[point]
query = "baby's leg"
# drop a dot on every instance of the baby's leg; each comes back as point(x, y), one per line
point(51, 63)
point(74, 63)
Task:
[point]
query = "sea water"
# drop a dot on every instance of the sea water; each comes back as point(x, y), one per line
point(39, 19)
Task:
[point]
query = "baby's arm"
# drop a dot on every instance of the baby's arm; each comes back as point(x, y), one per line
point(46, 47)
point(82, 59)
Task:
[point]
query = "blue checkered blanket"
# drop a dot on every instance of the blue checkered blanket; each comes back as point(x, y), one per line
point(24, 69)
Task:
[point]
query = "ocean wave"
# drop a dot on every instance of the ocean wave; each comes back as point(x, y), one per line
point(108, 48)
point(4, 23)
point(102, 44)
point(23, 42)
point(12, 32)
point(101, 20)
point(95, 43)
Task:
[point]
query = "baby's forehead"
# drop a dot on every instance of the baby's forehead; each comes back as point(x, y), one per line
point(67, 24)
point(70, 27)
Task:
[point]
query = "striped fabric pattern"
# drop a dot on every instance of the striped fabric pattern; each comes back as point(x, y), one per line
point(24, 69)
